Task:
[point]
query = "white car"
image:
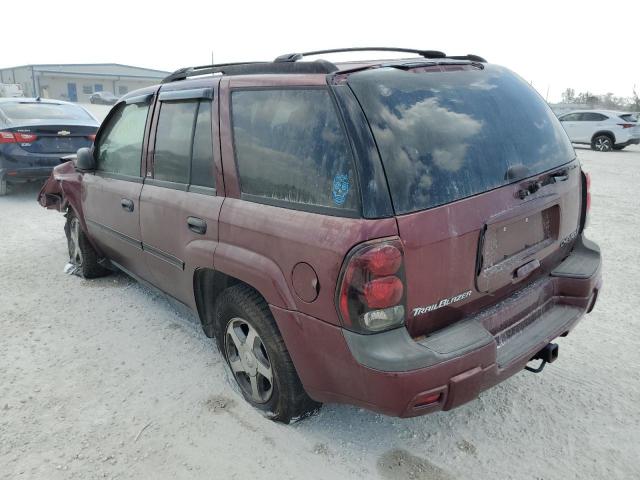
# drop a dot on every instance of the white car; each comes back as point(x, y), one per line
point(604, 130)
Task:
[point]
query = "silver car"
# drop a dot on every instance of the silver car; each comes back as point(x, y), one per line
point(604, 130)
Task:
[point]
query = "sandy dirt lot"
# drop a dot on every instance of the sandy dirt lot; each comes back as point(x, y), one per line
point(104, 379)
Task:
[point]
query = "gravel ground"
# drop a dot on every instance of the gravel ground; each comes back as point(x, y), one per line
point(104, 379)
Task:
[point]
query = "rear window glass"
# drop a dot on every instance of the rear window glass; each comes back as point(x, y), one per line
point(593, 117)
point(44, 111)
point(202, 166)
point(448, 135)
point(630, 117)
point(290, 147)
point(173, 141)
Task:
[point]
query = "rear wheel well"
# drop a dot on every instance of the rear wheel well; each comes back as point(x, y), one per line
point(208, 284)
point(604, 132)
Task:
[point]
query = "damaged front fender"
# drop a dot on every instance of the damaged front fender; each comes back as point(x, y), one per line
point(62, 189)
point(63, 192)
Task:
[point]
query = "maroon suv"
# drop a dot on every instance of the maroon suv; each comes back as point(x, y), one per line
point(394, 234)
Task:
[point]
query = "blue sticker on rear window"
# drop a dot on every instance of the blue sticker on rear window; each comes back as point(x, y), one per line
point(340, 188)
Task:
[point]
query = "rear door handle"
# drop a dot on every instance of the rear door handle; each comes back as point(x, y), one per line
point(197, 225)
point(126, 204)
point(560, 177)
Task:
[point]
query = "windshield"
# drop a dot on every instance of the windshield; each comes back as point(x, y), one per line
point(447, 135)
point(44, 111)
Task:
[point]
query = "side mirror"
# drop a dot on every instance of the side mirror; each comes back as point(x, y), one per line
point(84, 159)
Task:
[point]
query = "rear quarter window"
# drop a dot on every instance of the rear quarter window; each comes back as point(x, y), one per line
point(291, 149)
point(447, 135)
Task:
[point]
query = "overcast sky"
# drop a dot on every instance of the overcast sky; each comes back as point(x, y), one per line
point(586, 45)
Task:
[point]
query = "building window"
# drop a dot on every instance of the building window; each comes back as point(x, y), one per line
point(87, 89)
point(98, 87)
point(123, 90)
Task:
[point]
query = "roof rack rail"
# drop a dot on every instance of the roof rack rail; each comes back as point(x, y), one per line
point(294, 57)
point(469, 56)
point(186, 72)
point(251, 68)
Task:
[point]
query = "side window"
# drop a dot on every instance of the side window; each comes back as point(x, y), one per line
point(173, 141)
point(120, 144)
point(592, 117)
point(202, 166)
point(571, 117)
point(290, 147)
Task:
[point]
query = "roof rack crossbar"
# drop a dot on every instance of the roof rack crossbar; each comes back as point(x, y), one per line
point(294, 57)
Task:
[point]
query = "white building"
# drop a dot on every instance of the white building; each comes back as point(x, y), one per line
point(76, 82)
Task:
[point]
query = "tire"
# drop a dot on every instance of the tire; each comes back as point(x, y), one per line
point(82, 255)
point(602, 143)
point(264, 373)
point(619, 147)
point(3, 187)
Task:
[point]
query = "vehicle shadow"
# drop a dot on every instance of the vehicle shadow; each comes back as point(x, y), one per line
point(360, 427)
point(626, 150)
point(23, 191)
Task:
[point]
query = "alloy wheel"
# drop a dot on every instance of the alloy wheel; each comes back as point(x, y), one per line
point(603, 144)
point(248, 360)
point(75, 254)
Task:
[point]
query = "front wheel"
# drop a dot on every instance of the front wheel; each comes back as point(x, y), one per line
point(602, 143)
point(250, 342)
point(82, 255)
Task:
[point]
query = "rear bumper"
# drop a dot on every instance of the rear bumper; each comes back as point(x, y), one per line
point(631, 141)
point(24, 174)
point(17, 165)
point(389, 372)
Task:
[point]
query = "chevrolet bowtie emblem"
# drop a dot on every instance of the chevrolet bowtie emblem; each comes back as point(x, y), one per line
point(64, 133)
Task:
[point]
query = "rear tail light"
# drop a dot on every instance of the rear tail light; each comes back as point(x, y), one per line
point(17, 137)
point(25, 137)
point(627, 125)
point(371, 294)
point(7, 137)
